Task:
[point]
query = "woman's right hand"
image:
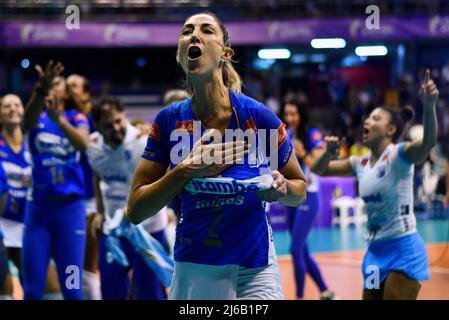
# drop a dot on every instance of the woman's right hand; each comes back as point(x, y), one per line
point(47, 76)
point(208, 160)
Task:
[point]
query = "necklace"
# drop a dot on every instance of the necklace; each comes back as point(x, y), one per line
point(210, 117)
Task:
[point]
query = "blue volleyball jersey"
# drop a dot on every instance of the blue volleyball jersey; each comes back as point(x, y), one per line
point(3, 189)
point(222, 219)
point(57, 171)
point(17, 167)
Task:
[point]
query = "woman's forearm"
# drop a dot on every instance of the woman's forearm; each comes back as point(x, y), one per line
point(296, 193)
point(430, 127)
point(74, 136)
point(148, 199)
point(32, 110)
point(321, 164)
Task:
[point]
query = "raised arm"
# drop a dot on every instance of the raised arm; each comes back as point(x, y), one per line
point(325, 166)
point(36, 102)
point(418, 150)
point(78, 135)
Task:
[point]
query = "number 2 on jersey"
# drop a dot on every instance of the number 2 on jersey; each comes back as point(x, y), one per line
point(212, 239)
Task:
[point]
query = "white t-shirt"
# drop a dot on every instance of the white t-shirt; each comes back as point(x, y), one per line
point(116, 168)
point(387, 189)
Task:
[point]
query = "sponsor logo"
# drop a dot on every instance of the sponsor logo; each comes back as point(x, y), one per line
point(53, 144)
point(18, 177)
point(115, 33)
point(439, 25)
point(221, 187)
point(34, 33)
point(218, 202)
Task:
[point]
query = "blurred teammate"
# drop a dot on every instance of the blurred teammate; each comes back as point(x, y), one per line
point(113, 154)
point(172, 96)
point(224, 248)
point(80, 89)
point(55, 217)
point(16, 162)
point(5, 277)
point(308, 145)
point(396, 251)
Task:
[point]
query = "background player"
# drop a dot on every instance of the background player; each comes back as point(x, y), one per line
point(385, 179)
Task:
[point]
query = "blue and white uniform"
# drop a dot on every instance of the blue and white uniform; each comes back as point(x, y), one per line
point(116, 168)
point(17, 167)
point(3, 255)
point(387, 190)
point(223, 236)
point(55, 216)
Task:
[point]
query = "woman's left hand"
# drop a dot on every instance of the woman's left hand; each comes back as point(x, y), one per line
point(278, 189)
point(428, 91)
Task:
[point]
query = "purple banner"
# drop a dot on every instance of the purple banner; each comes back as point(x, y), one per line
point(331, 188)
point(97, 34)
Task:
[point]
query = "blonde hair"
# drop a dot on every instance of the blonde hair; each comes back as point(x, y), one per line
point(231, 78)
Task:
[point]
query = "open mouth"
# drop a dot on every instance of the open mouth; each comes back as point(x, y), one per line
point(365, 132)
point(194, 53)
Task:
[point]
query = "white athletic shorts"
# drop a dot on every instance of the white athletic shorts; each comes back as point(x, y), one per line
point(13, 233)
point(91, 206)
point(193, 281)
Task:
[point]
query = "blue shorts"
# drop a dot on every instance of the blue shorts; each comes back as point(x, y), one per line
point(406, 254)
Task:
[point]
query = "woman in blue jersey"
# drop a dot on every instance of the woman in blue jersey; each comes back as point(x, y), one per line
point(55, 217)
point(16, 162)
point(224, 246)
point(5, 278)
point(308, 145)
point(396, 259)
point(81, 91)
